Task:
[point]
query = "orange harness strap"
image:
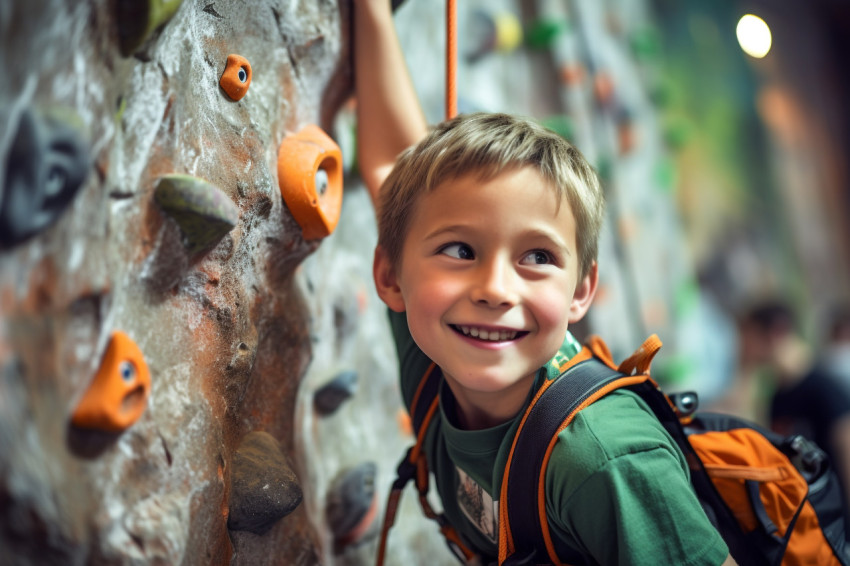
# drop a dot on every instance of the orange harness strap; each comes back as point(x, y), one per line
point(414, 466)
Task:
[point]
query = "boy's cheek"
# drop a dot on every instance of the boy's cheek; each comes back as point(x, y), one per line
point(552, 309)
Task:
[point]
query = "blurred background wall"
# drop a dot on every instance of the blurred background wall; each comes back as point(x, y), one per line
point(724, 172)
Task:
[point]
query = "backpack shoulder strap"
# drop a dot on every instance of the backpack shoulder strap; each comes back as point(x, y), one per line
point(524, 529)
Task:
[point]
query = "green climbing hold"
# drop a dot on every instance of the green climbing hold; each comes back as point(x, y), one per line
point(686, 298)
point(560, 124)
point(674, 371)
point(605, 169)
point(666, 176)
point(677, 133)
point(203, 212)
point(646, 45)
point(137, 19)
point(662, 94)
point(543, 32)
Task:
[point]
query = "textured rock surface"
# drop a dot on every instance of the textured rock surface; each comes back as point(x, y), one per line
point(225, 331)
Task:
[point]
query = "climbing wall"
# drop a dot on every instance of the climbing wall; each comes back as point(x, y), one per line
point(160, 188)
point(194, 366)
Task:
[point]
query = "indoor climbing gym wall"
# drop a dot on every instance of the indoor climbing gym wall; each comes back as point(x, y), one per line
point(194, 365)
point(166, 168)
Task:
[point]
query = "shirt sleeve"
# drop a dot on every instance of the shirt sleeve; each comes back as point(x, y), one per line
point(411, 360)
point(619, 490)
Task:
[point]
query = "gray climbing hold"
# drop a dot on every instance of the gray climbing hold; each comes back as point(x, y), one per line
point(138, 19)
point(330, 396)
point(352, 505)
point(46, 166)
point(263, 488)
point(203, 212)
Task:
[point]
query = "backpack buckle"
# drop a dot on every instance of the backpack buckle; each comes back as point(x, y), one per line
point(685, 403)
point(806, 456)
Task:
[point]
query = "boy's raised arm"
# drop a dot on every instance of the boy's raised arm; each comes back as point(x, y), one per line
point(389, 117)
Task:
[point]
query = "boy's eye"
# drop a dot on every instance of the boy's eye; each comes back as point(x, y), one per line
point(459, 251)
point(538, 257)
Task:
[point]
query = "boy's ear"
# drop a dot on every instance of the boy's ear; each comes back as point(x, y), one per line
point(386, 281)
point(584, 294)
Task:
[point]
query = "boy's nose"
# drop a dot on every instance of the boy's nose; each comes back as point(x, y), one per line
point(495, 285)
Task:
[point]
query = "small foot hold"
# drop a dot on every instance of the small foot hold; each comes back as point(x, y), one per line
point(118, 395)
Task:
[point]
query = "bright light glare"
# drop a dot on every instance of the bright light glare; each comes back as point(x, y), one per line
point(754, 36)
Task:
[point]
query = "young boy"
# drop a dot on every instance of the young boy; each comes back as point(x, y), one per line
point(487, 244)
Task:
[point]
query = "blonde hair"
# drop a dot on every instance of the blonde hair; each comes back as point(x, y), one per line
point(489, 144)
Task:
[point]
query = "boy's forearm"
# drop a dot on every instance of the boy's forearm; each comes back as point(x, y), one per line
point(389, 117)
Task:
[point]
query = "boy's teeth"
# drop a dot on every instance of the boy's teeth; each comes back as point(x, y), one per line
point(493, 335)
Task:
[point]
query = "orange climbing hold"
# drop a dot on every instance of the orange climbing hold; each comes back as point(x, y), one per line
point(309, 172)
point(236, 77)
point(572, 74)
point(118, 395)
point(603, 88)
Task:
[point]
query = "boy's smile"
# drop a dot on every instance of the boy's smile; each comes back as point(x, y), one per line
point(488, 278)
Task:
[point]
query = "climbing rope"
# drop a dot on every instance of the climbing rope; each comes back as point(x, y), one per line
point(451, 59)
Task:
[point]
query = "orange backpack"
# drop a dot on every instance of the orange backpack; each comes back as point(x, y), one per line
point(774, 499)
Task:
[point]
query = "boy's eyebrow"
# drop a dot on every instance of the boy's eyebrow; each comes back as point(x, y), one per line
point(443, 229)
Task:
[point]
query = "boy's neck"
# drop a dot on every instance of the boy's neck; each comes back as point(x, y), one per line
point(479, 410)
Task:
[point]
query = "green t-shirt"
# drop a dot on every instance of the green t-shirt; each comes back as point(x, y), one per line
point(617, 486)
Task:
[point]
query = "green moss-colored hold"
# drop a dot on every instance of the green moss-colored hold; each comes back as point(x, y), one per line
point(687, 298)
point(543, 32)
point(646, 45)
point(605, 169)
point(674, 371)
point(137, 19)
point(203, 212)
point(662, 94)
point(561, 125)
point(666, 176)
point(677, 133)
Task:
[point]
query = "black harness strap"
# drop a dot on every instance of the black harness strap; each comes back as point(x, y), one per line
point(562, 398)
point(426, 392)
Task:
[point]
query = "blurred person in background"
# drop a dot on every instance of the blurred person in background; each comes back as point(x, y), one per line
point(806, 396)
point(836, 353)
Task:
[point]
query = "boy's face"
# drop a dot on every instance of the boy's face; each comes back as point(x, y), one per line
point(489, 280)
